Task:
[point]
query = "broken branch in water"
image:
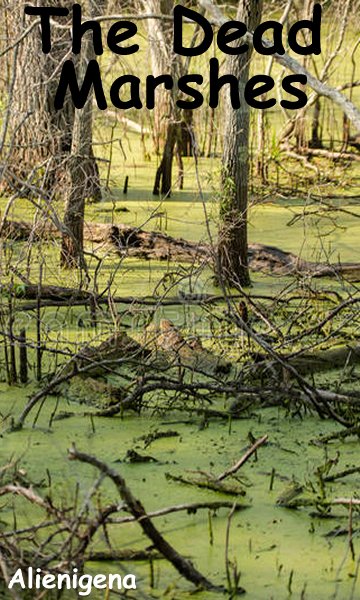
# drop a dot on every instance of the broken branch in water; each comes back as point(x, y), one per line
point(243, 459)
point(190, 508)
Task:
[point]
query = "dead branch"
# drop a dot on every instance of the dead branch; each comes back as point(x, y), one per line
point(243, 459)
point(190, 508)
point(206, 481)
point(182, 565)
point(123, 555)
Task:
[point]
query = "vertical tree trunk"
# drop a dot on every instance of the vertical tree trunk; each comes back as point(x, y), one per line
point(233, 245)
point(316, 133)
point(83, 175)
point(300, 132)
point(163, 176)
point(36, 136)
point(160, 48)
point(168, 130)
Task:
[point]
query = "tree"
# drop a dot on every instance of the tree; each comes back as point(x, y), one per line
point(233, 245)
point(79, 174)
point(172, 127)
point(82, 170)
point(49, 148)
point(166, 124)
point(232, 254)
point(37, 138)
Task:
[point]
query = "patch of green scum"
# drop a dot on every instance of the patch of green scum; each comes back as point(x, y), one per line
point(267, 541)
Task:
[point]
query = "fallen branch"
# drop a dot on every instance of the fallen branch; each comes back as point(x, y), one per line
point(338, 435)
point(122, 555)
point(181, 564)
point(205, 481)
point(341, 474)
point(346, 501)
point(190, 508)
point(243, 459)
point(30, 495)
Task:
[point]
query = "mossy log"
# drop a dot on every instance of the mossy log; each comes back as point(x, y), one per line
point(117, 349)
point(202, 480)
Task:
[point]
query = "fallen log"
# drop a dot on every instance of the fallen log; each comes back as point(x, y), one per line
point(53, 293)
point(204, 481)
point(153, 245)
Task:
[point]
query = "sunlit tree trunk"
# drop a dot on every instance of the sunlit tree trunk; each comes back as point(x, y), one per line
point(166, 119)
point(37, 137)
point(172, 128)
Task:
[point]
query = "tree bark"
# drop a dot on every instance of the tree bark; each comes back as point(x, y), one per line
point(233, 250)
point(167, 126)
point(83, 174)
point(160, 44)
point(36, 136)
point(163, 177)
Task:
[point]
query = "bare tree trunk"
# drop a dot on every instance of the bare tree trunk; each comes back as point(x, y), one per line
point(300, 119)
point(37, 137)
point(160, 44)
point(83, 173)
point(233, 244)
point(163, 176)
point(168, 128)
point(316, 132)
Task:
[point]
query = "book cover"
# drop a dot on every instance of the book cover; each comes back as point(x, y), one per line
point(179, 301)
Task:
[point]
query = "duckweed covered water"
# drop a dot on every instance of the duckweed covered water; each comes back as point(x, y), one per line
point(280, 552)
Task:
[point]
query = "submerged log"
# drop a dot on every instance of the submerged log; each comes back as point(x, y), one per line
point(204, 481)
point(136, 242)
point(117, 349)
point(188, 353)
point(327, 360)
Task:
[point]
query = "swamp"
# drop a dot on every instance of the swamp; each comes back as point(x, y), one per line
point(179, 314)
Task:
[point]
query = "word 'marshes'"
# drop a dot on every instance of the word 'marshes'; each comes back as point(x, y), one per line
point(190, 97)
